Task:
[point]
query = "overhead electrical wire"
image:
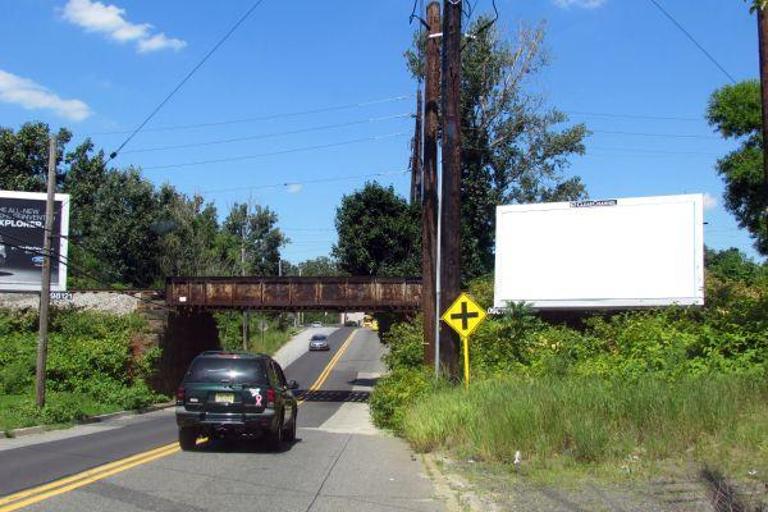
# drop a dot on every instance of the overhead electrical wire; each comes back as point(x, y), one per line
point(270, 135)
point(187, 77)
point(307, 182)
point(650, 134)
point(266, 117)
point(60, 260)
point(274, 153)
point(630, 116)
point(693, 40)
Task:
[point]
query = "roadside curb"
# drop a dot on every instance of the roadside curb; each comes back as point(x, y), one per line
point(39, 429)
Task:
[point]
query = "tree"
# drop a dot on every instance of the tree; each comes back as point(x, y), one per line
point(734, 111)
point(378, 233)
point(126, 231)
point(318, 267)
point(189, 228)
point(255, 229)
point(24, 156)
point(732, 264)
point(514, 148)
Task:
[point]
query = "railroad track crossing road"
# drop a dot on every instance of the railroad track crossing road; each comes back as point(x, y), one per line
point(339, 463)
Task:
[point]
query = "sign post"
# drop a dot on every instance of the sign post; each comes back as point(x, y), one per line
point(464, 316)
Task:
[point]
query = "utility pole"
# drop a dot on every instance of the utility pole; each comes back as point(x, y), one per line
point(450, 237)
point(246, 316)
point(416, 172)
point(762, 34)
point(45, 288)
point(429, 183)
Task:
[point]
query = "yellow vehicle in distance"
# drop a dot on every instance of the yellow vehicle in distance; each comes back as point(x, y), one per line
point(370, 323)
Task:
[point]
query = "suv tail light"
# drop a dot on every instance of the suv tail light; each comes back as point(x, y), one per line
point(180, 394)
point(270, 397)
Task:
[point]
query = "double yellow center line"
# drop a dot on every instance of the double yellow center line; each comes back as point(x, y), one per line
point(43, 492)
point(329, 367)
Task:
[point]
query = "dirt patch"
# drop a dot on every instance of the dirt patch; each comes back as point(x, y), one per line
point(480, 486)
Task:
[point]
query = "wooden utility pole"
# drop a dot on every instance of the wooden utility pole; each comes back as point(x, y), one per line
point(429, 182)
point(416, 173)
point(45, 287)
point(762, 34)
point(450, 236)
point(246, 316)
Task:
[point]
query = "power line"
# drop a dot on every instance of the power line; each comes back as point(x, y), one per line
point(649, 134)
point(266, 117)
point(630, 116)
point(644, 150)
point(187, 77)
point(306, 182)
point(692, 39)
point(307, 229)
point(60, 260)
point(274, 153)
point(270, 135)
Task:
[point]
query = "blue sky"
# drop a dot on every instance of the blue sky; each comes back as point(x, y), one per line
point(99, 68)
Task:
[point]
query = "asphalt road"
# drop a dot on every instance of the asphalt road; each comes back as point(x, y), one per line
point(338, 463)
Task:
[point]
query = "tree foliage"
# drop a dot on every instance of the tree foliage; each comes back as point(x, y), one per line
point(514, 148)
point(318, 267)
point(126, 231)
point(735, 112)
point(378, 233)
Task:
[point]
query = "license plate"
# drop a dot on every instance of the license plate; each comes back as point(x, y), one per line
point(225, 398)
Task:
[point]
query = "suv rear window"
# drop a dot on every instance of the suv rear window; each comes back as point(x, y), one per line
point(218, 369)
point(319, 337)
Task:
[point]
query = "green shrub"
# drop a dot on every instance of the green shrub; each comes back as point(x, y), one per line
point(16, 377)
point(89, 354)
point(58, 410)
point(481, 289)
point(406, 345)
point(395, 392)
point(230, 326)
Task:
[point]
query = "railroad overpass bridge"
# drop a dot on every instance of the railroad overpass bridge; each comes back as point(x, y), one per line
point(369, 294)
point(184, 325)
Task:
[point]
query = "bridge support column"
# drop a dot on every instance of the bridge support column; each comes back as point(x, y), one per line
point(181, 335)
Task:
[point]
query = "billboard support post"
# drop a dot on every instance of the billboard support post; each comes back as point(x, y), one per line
point(45, 288)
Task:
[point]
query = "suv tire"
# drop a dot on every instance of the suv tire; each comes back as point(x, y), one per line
point(187, 438)
point(290, 432)
point(275, 438)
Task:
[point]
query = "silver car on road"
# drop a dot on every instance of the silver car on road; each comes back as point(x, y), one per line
point(319, 342)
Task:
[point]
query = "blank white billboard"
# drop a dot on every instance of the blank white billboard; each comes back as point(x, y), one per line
point(633, 252)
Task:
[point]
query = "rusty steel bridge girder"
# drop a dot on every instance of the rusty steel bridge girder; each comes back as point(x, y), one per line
point(369, 294)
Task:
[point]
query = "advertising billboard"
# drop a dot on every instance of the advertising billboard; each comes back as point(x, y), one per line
point(22, 232)
point(615, 253)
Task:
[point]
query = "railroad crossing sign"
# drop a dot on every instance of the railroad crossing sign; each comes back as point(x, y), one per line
point(464, 316)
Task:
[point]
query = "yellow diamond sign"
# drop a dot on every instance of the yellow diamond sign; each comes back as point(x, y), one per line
point(464, 315)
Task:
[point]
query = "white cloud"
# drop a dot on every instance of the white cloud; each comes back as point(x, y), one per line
point(710, 201)
point(33, 96)
point(110, 20)
point(586, 4)
point(159, 42)
point(294, 188)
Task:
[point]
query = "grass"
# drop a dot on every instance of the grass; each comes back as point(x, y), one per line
point(18, 411)
point(578, 423)
point(269, 341)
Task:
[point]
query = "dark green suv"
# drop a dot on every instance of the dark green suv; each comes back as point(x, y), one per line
point(227, 394)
